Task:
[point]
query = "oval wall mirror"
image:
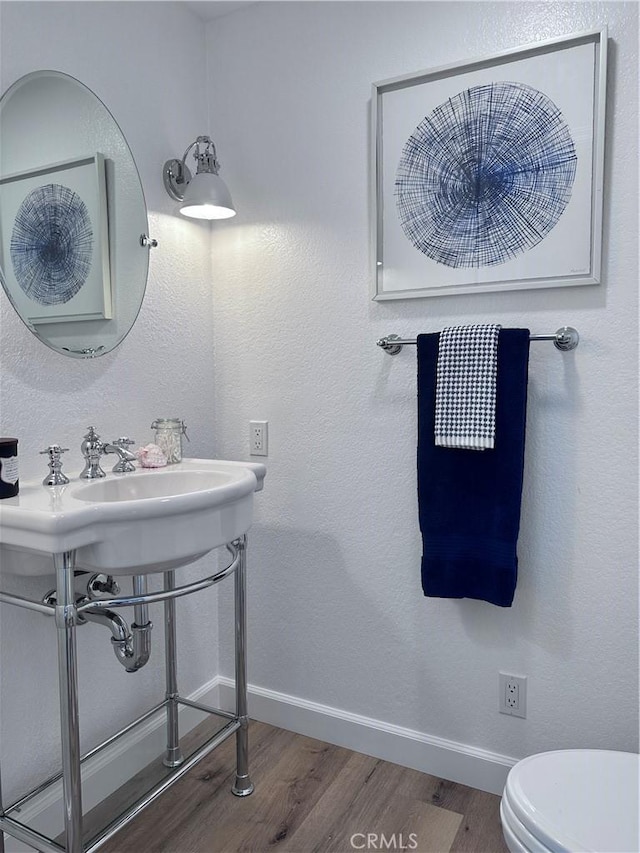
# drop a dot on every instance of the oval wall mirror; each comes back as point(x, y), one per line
point(73, 259)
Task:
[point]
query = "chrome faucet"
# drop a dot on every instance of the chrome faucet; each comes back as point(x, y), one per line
point(93, 448)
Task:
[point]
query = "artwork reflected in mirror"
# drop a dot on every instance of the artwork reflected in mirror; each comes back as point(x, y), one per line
point(72, 213)
point(58, 250)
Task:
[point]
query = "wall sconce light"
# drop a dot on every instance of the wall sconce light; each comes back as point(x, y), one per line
point(203, 195)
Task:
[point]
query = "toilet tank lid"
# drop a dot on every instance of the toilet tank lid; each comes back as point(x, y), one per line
point(579, 799)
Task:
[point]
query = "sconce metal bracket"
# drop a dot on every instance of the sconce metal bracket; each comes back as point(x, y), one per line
point(176, 176)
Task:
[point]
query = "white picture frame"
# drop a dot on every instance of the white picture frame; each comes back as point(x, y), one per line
point(64, 203)
point(433, 169)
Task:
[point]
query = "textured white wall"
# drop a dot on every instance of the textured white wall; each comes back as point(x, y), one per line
point(337, 615)
point(144, 60)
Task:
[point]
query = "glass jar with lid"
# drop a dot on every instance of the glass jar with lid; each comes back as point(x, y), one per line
point(168, 436)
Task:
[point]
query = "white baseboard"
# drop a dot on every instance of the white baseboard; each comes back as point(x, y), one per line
point(446, 759)
point(115, 765)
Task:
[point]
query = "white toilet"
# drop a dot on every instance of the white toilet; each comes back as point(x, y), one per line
point(573, 800)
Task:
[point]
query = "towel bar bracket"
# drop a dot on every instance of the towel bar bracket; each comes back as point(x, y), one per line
point(565, 339)
point(389, 346)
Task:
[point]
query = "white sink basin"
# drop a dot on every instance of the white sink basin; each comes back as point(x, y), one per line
point(142, 487)
point(149, 521)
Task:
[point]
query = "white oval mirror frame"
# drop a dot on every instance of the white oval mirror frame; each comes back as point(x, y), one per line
point(59, 148)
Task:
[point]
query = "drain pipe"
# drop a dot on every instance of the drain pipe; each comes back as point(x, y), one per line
point(140, 628)
point(131, 647)
point(122, 641)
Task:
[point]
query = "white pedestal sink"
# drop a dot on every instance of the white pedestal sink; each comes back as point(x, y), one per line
point(152, 520)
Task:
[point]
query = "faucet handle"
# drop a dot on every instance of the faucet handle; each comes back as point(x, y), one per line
point(124, 442)
point(54, 450)
point(55, 477)
point(124, 465)
point(92, 435)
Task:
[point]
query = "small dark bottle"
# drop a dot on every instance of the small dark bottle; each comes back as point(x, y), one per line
point(9, 485)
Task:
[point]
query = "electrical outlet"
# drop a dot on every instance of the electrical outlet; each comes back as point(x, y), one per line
point(258, 438)
point(512, 694)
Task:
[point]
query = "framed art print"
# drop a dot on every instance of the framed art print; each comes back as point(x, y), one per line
point(54, 250)
point(488, 175)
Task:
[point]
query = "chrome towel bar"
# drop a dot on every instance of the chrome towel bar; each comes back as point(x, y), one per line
point(565, 339)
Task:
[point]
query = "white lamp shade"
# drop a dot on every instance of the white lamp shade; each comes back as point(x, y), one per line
point(207, 197)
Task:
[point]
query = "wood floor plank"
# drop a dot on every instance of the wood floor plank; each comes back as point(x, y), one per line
point(378, 809)
point(323, 823)
point(208, 785)
point(403, 824)
point(481, 829)
point(311, 797)
point(283, 797)
point(436, 791)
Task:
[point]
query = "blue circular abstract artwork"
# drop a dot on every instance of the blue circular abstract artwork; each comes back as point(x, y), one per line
point(485, 176)
point(52, 244)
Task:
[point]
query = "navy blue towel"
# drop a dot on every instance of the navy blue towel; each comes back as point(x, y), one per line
point(469, 500)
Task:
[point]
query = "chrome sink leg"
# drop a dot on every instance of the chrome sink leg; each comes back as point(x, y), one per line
point(66, 620)
point(1, 813)
point(174, 757)
point(243, 785)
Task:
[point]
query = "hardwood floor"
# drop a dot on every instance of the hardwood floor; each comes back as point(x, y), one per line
point(312, 797)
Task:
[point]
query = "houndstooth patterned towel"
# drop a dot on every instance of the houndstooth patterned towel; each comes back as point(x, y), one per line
point(466, 387)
